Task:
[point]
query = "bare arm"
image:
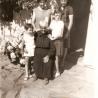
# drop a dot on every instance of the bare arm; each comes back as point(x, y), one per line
point(70, 22)
point(69, 26)
point(33, 20)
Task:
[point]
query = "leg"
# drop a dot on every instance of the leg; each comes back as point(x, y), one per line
point(31, 67)
point(64, 56)
point(48, 71)
point(58, 46)
point(26, 68)
point(57, 66)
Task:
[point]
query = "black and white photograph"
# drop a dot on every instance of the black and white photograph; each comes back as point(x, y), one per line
point(48, 49)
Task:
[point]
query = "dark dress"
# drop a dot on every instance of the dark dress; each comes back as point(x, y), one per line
point(44, 47)
point(65, 17)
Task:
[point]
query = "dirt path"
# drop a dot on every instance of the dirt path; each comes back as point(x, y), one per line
point(76, 81)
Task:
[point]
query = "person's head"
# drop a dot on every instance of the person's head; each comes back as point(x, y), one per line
point(53, 5)
point(57, 15)
point(54, 9)
point(42, 3)
point(43, 25)
point(29, 28)
point(64, 3)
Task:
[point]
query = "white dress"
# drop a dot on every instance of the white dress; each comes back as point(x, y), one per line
point(29, 45)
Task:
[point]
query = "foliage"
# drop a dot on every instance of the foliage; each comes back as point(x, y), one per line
point(25, 4)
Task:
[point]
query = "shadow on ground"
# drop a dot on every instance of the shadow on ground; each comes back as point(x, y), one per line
point(70, 61)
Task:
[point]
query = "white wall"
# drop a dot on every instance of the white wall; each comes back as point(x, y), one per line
point(91, 49)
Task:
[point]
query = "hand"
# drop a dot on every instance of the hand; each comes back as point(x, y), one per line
point(50, 37)
point(46, 59)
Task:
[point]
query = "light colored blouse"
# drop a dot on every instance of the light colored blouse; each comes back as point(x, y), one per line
point(29, 45)
point(57, 28)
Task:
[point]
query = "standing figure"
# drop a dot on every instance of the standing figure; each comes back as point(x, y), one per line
point(29, 47)
point(53, 6)
point(40, 14)
point(57, 27)
point(44, 54)
point(67, 17)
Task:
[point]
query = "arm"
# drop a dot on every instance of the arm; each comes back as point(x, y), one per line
point(33, 18)
point(69, 26)
point(70, 22)
point(69, 12)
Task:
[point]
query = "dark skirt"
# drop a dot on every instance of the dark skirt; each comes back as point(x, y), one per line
point(58, 46)
point(43, 70)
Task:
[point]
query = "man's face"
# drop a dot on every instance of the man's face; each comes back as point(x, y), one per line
point(41, 4)
point(64, 2)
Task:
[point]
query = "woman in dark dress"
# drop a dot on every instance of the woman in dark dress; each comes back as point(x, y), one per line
point(44, 54)
point(67, 18)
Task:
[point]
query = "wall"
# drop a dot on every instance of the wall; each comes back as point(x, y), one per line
point(79, 30)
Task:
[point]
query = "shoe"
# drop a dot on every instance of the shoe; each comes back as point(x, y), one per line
point(46, 81)
point(35, 78)
point(57, 74)
point(30, 76)
point(26, 78)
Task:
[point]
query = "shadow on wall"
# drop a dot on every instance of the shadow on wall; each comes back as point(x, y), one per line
point(79, 30)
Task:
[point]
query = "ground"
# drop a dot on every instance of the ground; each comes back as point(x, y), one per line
point(76, 81)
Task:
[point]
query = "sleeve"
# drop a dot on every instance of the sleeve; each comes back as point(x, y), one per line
point(70, 10)
point(62, 29)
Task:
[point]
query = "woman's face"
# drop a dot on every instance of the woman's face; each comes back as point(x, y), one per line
point(57, 16)
point(52, 9)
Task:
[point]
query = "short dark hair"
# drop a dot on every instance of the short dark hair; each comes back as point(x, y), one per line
point(28, 25)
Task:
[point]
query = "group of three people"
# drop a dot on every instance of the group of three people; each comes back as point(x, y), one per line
point(48, 38)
